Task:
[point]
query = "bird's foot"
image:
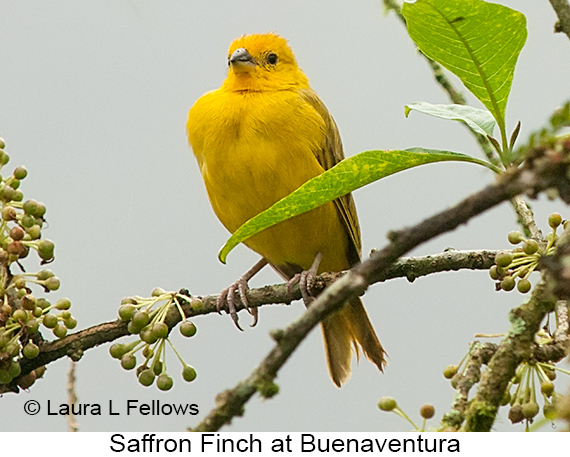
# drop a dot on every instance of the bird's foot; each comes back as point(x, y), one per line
point(227, 297)
point(306, 280)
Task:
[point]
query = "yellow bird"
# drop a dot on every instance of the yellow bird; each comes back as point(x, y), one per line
point(259, 137)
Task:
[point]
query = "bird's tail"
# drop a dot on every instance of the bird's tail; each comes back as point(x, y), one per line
point(347, 328)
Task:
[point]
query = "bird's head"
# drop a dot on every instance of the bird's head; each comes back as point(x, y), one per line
point(260, 63)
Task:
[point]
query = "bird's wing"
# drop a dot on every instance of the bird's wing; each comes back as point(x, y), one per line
point(329, 156)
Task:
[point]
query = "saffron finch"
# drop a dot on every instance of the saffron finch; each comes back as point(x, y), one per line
point(259, 137)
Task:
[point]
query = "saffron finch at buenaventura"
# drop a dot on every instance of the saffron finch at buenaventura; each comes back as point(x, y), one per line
point(259, 137)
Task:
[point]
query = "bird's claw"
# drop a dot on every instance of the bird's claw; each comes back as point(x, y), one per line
point(305, 280)
point(227, 299)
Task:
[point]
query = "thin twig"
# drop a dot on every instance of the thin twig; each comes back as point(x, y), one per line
point(480, 354)
point(72, 424)
point(562, 9)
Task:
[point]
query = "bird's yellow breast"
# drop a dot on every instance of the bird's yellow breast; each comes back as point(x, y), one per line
point(254, 148)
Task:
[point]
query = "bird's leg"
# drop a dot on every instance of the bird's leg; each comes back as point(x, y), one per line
point(305, 279)
point(227, 296)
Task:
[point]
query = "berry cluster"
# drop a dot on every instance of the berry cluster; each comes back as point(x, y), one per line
point(21, 312)
point(146, 318)
point(523, 260)
point(530, 378)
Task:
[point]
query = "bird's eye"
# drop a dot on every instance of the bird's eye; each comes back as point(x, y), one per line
point(272, 58)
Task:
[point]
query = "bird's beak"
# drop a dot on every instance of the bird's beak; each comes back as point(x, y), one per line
point(241, 59)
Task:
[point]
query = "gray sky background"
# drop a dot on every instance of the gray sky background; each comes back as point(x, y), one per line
point(93, 100)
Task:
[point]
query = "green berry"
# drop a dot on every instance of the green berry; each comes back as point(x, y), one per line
point(157, 292)
point(35, 231)
point(550, 373)
point(387, 404)
point(530, 247)
point(141, 319)
point(20, 172)
point(30, 207)
point(12, 349)
point(157, 367)
point(188, 373)
point(49, 321)
point(146, 378)
point(515, 237)
point(523, 286)
point(19, 282)
point(503, 259)
point(128, 361)
point(70, 323)
point(14, 184)
point(549, 411)
point(547, 388)
point(45, 274)
point(450, 371)
point(5, 377)
point(530, 409)
point(43, 303)
point(2, 143)
point(4, 158)
point(60, 330)
point(9, 213)
point(554, 220)
point(126, 312)
point(133, 329)
point(45, 249)
point(27, 221)
point(494, 273)
point(31, 350)
point(455, 380)
point(427, 411)
point(147, 336)
point(164, 382)
point(32, 326)
point(15, 369)
point(63, 303)
point(20, 316)
point(52, 283)
point(160, 330)
point(147, 352)
point(508, 283)
point(117, 350)
point(187, 329)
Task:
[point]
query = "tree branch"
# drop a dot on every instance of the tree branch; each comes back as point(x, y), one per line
point(562, 9)
point(75, 344)
point(538, 173)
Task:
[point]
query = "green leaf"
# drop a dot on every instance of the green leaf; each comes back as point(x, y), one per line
point(477, 41)
point(345, 177)
point(479, 120)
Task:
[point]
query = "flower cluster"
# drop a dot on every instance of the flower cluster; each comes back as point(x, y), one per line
point(518, 264)
point(22, 313)
point(146, 318)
